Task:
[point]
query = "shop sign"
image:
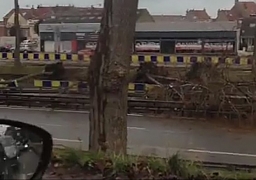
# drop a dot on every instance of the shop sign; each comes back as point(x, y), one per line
point(148, 46)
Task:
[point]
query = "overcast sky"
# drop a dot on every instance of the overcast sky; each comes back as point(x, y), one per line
point(154, 6)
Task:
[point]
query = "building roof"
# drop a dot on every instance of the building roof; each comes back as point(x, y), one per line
point(226, 15)
point(197, 15)
point(243, 9)
point(79, 15)
point(66, 14)
point(186, 26)
point(32, 13)
point(248, 6)
point(72, 19)
point(169, 18)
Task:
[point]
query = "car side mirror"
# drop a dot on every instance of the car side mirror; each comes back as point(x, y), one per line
point(25, 150)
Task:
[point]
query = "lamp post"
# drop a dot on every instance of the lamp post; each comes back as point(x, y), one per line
point(17, 28)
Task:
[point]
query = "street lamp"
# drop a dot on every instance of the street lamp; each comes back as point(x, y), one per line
point(17, 28)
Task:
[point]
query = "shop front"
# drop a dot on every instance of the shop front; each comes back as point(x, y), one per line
point(70, 38)
point(183, 43)
point(82, 37)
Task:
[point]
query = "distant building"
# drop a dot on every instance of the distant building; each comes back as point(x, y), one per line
point(226, 15)
point(187, 37)
point(1, 28)
point(239, 10)
point(76, 29)
point(247, 34)
point(191, 16)
point(28, 17)
point(150, 37)
point(197, 15)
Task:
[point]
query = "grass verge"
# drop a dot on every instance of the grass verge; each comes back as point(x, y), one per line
point(23, 70)
point(74, 162)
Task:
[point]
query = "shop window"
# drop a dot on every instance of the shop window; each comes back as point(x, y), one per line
point(168, 47)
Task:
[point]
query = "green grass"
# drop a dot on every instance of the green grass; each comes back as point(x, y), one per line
point(133, 166)
point(23, 70)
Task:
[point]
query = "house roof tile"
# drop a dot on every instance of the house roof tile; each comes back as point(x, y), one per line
point(226, 15)
point(197, 15)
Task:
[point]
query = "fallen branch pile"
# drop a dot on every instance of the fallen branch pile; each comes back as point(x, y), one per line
point(205, 91)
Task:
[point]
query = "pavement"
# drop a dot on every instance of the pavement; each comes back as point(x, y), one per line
point(148, 135)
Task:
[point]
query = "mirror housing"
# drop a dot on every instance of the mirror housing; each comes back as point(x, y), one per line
point(46, 144)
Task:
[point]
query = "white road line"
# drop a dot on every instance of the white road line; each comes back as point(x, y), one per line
point(221, 153)
point(56, 110)
point(181, 150)
point(58, 125)
point(129, 128)
point(136, 128)
point(135, 115)
point(44, 109)
point(67, 140)
point(54, 125)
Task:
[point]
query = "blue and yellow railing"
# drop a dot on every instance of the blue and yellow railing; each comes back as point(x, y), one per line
point(186, 60)
point(46, 57)
point(48, 84)
point(136, 59)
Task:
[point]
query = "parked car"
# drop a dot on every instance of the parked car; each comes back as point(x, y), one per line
point(4, 49)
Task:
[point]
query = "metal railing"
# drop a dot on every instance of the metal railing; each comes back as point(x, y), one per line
point(135, 105)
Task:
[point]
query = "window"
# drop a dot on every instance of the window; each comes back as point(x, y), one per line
point(252, 25)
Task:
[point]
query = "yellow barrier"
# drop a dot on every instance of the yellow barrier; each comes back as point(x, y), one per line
point(136, 59)
point(47, 57)
point(133, 87)
point(186, 60)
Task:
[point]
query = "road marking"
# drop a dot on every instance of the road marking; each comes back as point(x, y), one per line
point(175, 149)
point(44, 109)
point(56, 110)
point(58, 125)
point(221, 153)
point(67, 140)
point(54, 125)
point(135, 115)
point(136, 128)
point(131, 128)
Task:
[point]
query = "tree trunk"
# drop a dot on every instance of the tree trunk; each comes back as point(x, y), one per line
point(108, 77)
point(17, 28)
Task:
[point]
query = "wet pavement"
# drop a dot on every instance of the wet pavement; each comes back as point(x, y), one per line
point(149, 136)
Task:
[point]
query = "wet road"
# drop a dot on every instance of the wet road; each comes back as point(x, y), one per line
point(149, 136)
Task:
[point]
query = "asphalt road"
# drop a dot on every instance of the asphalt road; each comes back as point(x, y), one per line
point(149, 136)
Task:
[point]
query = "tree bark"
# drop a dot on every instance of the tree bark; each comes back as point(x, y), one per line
point(108, 77)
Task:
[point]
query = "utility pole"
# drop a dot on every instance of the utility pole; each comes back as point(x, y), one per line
point(254, 55)
point(17, 28)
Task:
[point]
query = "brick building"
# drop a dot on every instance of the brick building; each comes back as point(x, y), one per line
point(240, 10)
